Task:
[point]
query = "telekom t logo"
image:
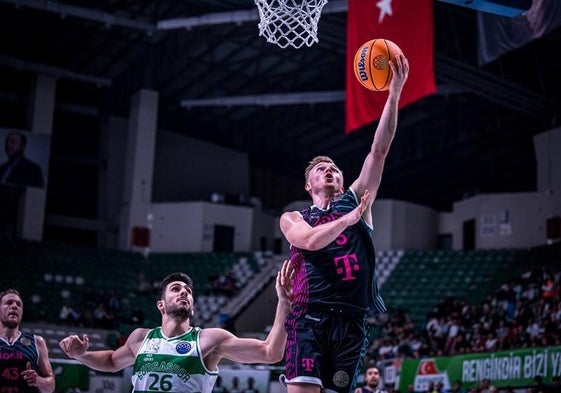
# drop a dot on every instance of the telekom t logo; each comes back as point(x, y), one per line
point(308, 364)
point(346, 265)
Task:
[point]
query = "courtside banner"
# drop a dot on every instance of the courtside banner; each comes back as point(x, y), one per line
point(514, 368)
point(407, 23)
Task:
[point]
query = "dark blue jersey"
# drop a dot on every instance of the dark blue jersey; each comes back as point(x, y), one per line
point(13, 360)
point(342, 275)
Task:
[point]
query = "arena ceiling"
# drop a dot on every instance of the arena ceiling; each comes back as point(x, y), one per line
point(473, 136)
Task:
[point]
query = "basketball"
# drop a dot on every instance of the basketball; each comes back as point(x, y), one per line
point(371, 63)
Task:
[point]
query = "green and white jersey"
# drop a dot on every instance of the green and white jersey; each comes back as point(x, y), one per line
point(172, 365)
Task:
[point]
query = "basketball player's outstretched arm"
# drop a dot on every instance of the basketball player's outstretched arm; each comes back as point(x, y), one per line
point(217, 343)
point(107, 361)
point(371, 172)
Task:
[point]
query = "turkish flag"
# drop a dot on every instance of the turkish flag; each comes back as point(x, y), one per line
point(407, 23)
point(427, 367)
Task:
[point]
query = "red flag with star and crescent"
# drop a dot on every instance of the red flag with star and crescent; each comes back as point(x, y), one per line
point(407, 23)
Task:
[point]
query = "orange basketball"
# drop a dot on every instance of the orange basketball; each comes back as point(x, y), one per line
point(371, 63)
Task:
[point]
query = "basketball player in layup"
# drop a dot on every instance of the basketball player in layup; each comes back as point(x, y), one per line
point(335, 288)
point(178, 357)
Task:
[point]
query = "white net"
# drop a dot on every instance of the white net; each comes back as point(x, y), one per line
point(290, 22)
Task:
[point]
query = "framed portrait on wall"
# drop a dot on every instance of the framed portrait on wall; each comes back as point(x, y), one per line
point(24, 158)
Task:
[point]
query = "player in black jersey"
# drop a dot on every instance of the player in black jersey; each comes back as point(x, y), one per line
point(333, 256)
point(24, 357)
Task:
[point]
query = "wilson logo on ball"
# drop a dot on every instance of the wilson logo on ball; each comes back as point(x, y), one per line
point(371, 63)
point(361, 66)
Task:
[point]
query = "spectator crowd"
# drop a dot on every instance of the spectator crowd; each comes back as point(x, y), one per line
point(523, 313)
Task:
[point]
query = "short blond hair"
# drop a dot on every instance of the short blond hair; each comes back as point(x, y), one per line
point(8, 291)
point(316, 160)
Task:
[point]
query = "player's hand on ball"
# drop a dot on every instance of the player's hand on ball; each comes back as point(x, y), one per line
point(400, 71)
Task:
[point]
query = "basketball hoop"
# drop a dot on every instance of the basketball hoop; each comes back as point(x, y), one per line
point(289, 22)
